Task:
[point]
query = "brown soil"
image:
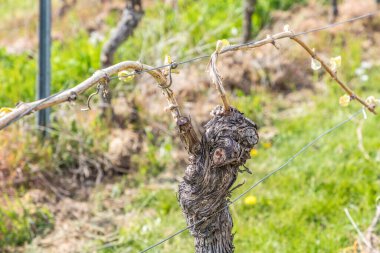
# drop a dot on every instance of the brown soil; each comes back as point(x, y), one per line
point(78, 223)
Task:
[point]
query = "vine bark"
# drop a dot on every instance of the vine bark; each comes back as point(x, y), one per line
point(206, 187)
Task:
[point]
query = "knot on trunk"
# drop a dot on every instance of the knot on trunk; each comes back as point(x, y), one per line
point(205, 190)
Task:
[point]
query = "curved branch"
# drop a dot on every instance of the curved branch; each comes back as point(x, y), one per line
point(271, 39)
point(333, 75)
point(185, 128)
point(71, 94)
point(217, 80)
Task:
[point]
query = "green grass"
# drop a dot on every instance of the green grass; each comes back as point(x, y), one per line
point(190, 31)
point(300, 209)
point(20, 223)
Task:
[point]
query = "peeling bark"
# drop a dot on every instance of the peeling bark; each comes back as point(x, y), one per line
point(205, 190)
point(187, 134)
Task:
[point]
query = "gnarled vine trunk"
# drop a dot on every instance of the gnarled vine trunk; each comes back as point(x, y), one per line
point(205, 190)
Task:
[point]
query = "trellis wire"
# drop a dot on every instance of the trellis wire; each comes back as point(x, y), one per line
point(32, 108)
point(301, 151)
point(252, 42)
point(204, 57)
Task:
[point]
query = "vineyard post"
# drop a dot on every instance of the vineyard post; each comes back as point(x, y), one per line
point(44, 68)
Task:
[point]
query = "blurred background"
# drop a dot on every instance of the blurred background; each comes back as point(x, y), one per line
point(105, 180)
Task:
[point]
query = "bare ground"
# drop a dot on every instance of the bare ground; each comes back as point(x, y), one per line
point(80, 221)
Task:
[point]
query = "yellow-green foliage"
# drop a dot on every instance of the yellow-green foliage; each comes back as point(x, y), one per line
point(299, 209)
point(162, 31)
point(20, 223)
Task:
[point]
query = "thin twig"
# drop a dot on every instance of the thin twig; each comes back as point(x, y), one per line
point(375, 220)
point(55, 190)
point(333, 75)
point(371, 229)
point(361, 235)
point(289, 34)
point(359, 134)
point(217, 80)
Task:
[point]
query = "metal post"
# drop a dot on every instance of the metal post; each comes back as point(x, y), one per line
point(44, 69)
